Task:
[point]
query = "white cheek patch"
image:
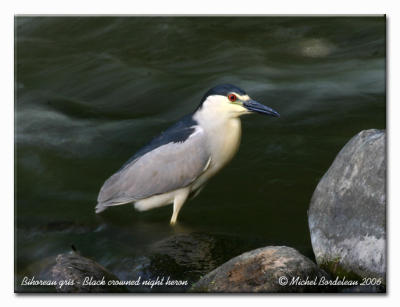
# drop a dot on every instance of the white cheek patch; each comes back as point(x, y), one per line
point(213, 99)
point(243, 97)
point(238, 108)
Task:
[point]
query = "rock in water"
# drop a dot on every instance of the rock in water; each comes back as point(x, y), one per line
point(185, 257)
point(75, 274)
point(268, 269)
point(348, 209)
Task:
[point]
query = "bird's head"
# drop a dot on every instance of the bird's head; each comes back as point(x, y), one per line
point(228, 99)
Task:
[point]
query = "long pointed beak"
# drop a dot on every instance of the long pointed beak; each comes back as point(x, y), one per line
point(255, 106)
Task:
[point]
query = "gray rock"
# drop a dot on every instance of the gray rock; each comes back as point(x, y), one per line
point(75, 274)
point(262, 270)
point(348, 209)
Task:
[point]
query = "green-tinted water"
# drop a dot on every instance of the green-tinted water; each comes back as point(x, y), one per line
point(91, 91)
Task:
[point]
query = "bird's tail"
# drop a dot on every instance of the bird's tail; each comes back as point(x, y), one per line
point(100, 207)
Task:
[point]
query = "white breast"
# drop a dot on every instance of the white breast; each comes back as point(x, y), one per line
point(223, 135)
point(225, 142)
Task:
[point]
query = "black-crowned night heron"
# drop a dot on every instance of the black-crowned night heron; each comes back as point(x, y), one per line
point(178, 163)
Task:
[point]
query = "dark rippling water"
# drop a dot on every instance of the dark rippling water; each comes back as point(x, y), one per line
point(91, 91)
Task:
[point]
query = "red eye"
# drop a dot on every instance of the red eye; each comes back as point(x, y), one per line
point(232, 97)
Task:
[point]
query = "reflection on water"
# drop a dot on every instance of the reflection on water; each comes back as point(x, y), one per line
point(92, 91)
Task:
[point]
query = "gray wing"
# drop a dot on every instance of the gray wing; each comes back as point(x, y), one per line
point(163, 169)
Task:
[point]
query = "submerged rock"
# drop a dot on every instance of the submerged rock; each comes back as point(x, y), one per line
point(348, 209)
point(74, 273)
point(182, 257)
point(191, 255)
point(316, 48)
point(268, 269)
point(38, 270)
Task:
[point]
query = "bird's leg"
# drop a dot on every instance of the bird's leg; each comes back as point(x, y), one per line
point(179, 200)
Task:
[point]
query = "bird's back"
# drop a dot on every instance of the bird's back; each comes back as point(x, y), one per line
point(170, 161)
